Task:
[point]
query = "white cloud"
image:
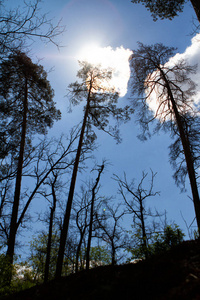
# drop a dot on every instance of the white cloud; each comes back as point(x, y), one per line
point(117, 59)
point(192, 57)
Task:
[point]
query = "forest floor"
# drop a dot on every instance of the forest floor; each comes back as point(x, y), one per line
point(172, 275)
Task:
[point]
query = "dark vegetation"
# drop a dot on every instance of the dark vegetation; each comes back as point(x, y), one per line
point(168, 9)
point(171, 275)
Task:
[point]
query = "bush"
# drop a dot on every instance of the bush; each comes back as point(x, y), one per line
point(18, 282)
point(171, 237)
point(160, 242)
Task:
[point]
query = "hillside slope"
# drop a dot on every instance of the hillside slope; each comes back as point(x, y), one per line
point(172, 275)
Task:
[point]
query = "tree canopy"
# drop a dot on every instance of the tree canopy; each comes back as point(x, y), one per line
point(41, 112)
point(168, 9)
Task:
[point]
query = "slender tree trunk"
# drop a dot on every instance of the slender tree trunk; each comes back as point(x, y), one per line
point(196, 6)
point(187, 153)
point(47, 263)
point(82, 230)
point(79, 249)
point(91, 218)
point(144, 236)
point(64, 231)
point(113, 255)
point(3, 199)
point(15, 208)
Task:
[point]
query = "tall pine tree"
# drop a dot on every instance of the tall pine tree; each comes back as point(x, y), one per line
point(26, 108)
point(101, 104)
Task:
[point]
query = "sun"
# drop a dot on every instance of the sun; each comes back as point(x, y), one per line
point(107, 57)
point(92, 54)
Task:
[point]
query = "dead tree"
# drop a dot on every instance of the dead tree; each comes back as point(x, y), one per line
point(134, 198)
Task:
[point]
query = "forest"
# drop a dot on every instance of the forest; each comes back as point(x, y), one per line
point(56, 218)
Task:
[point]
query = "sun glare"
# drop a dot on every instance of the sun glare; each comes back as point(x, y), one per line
point(107, 57)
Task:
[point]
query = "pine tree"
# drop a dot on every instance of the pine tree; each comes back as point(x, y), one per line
point(172, 88)
point(27, 108)
point(101, 104)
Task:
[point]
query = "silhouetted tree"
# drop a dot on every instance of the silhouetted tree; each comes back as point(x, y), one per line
point(81, 212)
point(161, 241)
point(27, 103)
point(100, 105)
point(111, 231)
point(171, 236)
point(5, 205)
point(94, 192)
point(168, 9)
point(170, 85)
point(135, 198)
point(51, 219)
point(52, 155)
point(191, 126)
point(38, 254)
point(86, 205)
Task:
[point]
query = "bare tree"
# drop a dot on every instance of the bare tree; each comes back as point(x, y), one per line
point(135, 198)
point(81, 212)
point(52, 183)
point(49, 156)
point(94, 192)
point(86, 204)
point(53, 155)
point(111, 230)
point(19, 27)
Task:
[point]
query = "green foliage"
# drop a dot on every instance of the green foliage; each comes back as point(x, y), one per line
point(22, 276)
point(38, 249)
point(137, 251)
point(163, 9)
point(160, 242)
point(99, 255)
point(37, 259)
point(5, 269)
point(171, 237)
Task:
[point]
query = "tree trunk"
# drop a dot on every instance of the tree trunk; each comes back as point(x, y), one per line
point(91, 218)
point(196, 6)
point(113, 255)
point(47, 263)
point(187, 153)
point(15, 208)
point(79, 249)
point(3, 199)
point(64, 231)
point(144, 236)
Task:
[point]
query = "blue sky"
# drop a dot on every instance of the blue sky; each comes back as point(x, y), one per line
point(116, 23)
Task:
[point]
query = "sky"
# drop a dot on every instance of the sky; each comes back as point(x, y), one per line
point(114, 25)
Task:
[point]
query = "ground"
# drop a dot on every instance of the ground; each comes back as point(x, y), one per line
point(172, 275)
